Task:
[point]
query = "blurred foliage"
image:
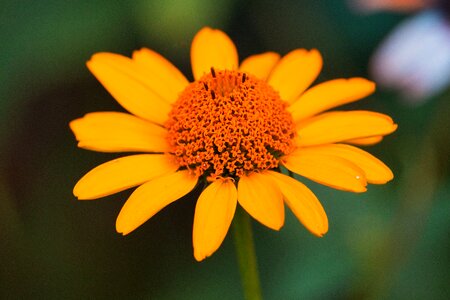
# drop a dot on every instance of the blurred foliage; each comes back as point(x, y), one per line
point(392, 242)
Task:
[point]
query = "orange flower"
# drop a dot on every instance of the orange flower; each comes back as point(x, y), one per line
point(232, 129)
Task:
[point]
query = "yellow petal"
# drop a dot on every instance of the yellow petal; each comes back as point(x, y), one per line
point(330, 94)
point(118, 132)
point(365, 141)
point(163, 77)
point(211, 48)
point(328, 170)
point(260, 65)
point(303, 203)
point(374, 169)
point(333, 127)
point(128, 87)
point(213, 215)
point(262, 199)
point(151, 77)
point(121, 174)
point(295, 72)
point(151, 197)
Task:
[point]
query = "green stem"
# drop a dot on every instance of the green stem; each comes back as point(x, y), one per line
point(245, 250)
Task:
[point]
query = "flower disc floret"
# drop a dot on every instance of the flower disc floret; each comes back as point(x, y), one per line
point(228, 124)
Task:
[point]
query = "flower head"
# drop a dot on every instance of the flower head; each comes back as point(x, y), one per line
point(228, 124)
point(234, 129)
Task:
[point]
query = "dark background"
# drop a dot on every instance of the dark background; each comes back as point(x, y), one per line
point(392, 242)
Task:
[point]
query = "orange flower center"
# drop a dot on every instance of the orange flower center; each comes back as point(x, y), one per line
point(228, 124)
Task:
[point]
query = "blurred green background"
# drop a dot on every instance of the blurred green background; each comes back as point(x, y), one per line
point(392, 242)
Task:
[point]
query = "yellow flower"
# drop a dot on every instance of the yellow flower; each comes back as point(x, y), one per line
point(230, 130)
